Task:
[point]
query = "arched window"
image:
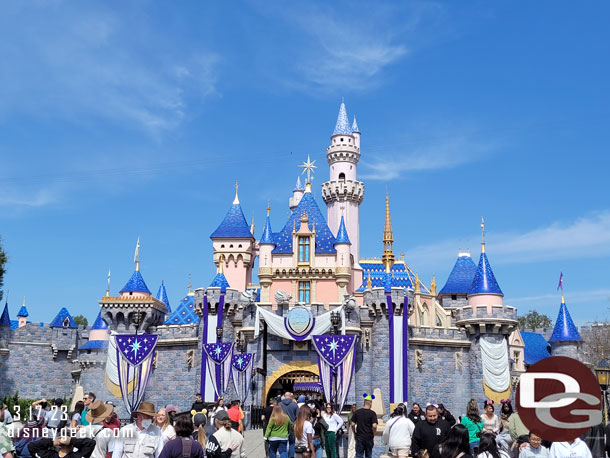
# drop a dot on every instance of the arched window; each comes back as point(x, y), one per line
point(425, 316)
point(342, 176)
point(304, 249)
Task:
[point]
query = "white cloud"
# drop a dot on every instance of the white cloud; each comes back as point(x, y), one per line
point(27, 199)
point(62, 61)
point(585, 237)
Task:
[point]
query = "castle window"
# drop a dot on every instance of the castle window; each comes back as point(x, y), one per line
point(341, 139)
point(454, 297)
point(342, 176)
point(303, 249)
point(66, 322)
point(304, 291)
point(222, 246)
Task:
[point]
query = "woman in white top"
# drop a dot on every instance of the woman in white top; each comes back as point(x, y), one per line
point(303, 434)
point(334, 422)
point(78, 410)
point(220, 405)
point(491, 422)
point(398, 431)
point(167, 431)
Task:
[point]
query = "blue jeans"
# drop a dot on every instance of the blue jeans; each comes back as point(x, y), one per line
point(364, 448)
point(278, 447)
point(291, 445)
point(474, 446)
point(317, 445)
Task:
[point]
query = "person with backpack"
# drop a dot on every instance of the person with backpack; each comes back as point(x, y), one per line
point(183, 445)
point(397, 433)
point(474, 424)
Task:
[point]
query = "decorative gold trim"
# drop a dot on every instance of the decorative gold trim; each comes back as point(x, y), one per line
point(494, 395)
point(285, 369)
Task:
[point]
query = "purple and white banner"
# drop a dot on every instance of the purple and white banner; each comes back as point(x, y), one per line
point(241, 370)
point(399, 343)
point(336, 362)
point(134, 356)
point(219, 364)
point(210, 323)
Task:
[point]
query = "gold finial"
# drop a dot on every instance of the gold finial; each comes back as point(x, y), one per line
point(236, 200)
point(107, 286)
point(369, 285)
point(417, 287)
point(433, 286)
point(136, 256)
point(268, 207)
point(190, 285)
point(482, 235)
point(221, 261)
point(388, 238)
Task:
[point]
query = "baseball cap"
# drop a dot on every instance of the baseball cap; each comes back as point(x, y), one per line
point(222, 415)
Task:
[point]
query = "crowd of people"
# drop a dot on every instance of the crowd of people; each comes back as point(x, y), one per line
point(292, 428)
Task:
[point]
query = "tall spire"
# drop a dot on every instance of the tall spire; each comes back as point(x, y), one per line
point(355, 126)
point(482, 235)
point(298, 186)
point(108, 285)
point(388, 238)
point(236, 200)
point(252, 225)
point(308, 167)
point(267, 236)
point(369, 284)
point(342, 236)
point(342, 126)
point(565, 330)
point(136, 256)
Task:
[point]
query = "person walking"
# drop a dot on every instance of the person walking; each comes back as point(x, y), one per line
point(365, 427)
point(183, 445)
point(225, 442)
point(291, 409)
point(455, 445)
point(142, 439)
point(474, 424)
point(397, 433)
point(319, 428)
point(167, 430)
point(444, 414)
point(303, 434)
point(430, 432)
point(351, 435)
point(416, 414)
point(267, 411)
point(334, 422)
point(277, 433)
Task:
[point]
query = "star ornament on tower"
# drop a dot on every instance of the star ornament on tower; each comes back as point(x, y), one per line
point(308, 167)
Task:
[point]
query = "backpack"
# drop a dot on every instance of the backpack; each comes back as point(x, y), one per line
point(186, 447)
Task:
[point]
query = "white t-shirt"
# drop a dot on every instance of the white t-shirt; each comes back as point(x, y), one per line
point(333, 421)
point(577, 449)
point(307, 429)
point(168, 433)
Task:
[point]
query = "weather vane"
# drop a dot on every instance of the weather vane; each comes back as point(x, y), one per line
point(309, 168)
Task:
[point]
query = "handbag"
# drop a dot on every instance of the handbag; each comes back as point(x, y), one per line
point(300, 449)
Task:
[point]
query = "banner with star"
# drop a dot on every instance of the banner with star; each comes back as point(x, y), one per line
point(336, 362)
point(219, 364)
point(241, 372)
point(134, 356)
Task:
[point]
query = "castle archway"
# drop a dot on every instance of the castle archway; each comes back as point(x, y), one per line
point(285, 377)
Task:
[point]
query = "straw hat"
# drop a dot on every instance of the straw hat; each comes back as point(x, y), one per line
point(98, 411)
point(146, 408)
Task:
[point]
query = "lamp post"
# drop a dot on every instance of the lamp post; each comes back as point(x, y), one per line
point(602, 371)
point(219, 332)
point(335, 320)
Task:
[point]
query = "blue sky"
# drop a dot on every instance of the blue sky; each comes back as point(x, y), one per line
point(127, 119)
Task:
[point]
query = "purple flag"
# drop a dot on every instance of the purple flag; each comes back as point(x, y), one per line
point(241, 361)
point(136, 348)
point(218, 351)
point(333, 348)
point(560, 285)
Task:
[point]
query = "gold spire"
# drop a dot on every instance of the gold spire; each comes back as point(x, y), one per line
point(268, 207)
point(563, 300)
point(220, 264)
point(136, 256)
point(190, 285)
point(388, 238)
point(433, 286)
point(417, 287)
point(23, 301)
point(108, 285)
point(369, 285)
point(482, 235)
point(236, 200)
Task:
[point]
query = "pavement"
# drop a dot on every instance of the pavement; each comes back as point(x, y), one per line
point(254, 446)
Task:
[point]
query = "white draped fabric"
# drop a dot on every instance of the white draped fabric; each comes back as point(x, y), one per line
point(210, 381)
point(112, 370)
point(496, 370)
point(399, 347)
point(275, 324)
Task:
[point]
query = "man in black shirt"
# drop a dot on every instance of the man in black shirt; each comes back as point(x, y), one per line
point(428, 434)
point(267, 411)
point(365, 420)
point(198, 405)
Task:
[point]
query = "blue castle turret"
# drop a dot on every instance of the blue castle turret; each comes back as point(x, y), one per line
point(565, 340)
point(162, 296)
point(459, 282)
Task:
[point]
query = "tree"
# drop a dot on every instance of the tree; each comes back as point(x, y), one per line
point(3, 259)
point(596, 342)
point(80, 319)
point(534, 320)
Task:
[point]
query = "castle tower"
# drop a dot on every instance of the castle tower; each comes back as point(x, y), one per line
point(342, 245)
point(297, 195)
point(388, 238)
point(135, 308)
point(565, 339)
point(23, 314)
point(265, 247)
point(162, 296)
point(233, 242)
point(484, 289)
point(455, 291)
point(343, 193)
point(5, 329)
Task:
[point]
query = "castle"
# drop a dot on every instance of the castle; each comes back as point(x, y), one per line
point(413, 342)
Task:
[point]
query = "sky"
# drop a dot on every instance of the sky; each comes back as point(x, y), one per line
point(121, 120)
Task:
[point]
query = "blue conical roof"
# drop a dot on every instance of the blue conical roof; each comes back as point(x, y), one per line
point(565, 330)
point(342, 126)
point(342, 236)
point(484, 280)
point(267, 236)
point(233, 225)
point(162, 296)
point(355, 126)
point(184, 312)
point(58, 321)
point(136, 284)
point(461, 277)
point(23, 311)
point(220, 281)
point(5, 319)
point(99, 323)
